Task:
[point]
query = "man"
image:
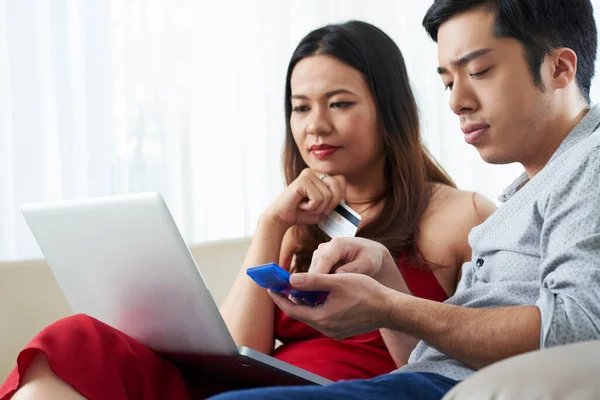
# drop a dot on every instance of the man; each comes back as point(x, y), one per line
point(520, 75)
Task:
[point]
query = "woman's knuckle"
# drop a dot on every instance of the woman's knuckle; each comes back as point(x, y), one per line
point(337, 241)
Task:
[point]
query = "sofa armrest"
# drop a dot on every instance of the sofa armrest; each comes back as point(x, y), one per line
point(30, 299)
point(564, 372)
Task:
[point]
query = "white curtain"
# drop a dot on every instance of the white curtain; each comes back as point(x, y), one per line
point(182, 97)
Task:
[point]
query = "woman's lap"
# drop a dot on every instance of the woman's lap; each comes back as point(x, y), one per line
point(100, 362)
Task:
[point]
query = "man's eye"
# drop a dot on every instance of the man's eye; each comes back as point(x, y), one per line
point(479, 74)
point(300, 109)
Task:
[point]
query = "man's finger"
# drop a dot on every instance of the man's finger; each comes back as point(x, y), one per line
point(355, 267)
point(326, 257)
point(280, 300)
point(292, 310)
point(314, 282)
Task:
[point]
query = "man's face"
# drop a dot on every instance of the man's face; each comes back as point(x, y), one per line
point(501, 109)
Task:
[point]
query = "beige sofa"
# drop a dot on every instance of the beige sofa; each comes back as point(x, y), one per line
point(30, 299)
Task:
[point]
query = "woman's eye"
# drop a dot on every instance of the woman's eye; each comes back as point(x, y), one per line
point(341, 104)
point(448, 86)
point(300, 109)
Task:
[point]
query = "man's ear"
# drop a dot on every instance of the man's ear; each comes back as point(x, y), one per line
point(563, 68)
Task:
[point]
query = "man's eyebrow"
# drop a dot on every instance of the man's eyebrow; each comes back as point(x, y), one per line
point(327, 95)
point(464, 60)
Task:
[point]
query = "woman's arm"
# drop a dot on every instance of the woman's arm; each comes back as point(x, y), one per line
point(399, 344)
point(248, 310)
point(444, 235)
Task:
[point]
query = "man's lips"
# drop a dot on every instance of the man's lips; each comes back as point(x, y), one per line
point(474, 132)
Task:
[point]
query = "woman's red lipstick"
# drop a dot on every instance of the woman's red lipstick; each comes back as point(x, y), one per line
point(322, 151)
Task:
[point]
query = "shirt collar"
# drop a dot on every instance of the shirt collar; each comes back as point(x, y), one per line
point(580, 132)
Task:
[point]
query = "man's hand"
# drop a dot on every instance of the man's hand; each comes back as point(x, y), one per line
point(360, 256)
point(356, 303)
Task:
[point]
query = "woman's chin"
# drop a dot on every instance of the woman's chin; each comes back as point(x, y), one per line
point(327, 168)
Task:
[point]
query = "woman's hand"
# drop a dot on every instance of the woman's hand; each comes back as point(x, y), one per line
point(306, 200)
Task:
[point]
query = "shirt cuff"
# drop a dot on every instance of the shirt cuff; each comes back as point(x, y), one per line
point(547, 304)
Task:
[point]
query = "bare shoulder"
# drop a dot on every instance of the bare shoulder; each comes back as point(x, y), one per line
point(448, 203)
point(483, 207)
point(444, 230)
point(451, 214)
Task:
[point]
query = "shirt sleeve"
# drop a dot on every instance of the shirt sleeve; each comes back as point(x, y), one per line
point(569, 300)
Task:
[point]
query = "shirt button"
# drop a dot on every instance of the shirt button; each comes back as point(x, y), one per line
point(479, 262)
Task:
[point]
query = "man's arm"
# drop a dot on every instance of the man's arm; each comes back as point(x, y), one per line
point(568, 309)
point(358, 304)
point(476, 337)
point(570, 248)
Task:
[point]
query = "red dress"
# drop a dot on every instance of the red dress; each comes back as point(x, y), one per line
point(101, 362)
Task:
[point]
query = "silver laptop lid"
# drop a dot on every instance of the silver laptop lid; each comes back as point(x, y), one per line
point(122, 260)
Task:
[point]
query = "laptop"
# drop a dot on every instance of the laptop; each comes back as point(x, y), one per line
point(121, 260)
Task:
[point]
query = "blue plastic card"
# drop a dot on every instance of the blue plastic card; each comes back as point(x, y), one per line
point(272, 276)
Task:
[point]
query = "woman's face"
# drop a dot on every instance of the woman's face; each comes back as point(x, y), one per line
point(334, 118)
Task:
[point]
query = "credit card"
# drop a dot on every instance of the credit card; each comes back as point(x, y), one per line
point(342, 222)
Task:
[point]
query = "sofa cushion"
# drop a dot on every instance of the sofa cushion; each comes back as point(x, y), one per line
point(30, 299)
point(565, 372)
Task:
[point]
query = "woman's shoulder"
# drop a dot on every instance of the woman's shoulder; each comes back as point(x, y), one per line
point(444, 230)
point(452, 213)
point(447, 202)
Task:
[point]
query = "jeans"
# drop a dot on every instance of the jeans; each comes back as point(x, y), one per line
point(402, 385)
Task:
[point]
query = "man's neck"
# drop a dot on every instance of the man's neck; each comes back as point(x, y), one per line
point(555, 133)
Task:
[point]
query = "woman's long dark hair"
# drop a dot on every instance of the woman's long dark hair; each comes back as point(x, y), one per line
point(409, 168)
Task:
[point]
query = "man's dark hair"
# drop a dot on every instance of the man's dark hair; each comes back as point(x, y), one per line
point(540, 25)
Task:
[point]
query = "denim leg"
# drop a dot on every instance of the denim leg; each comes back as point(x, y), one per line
point(402, 386)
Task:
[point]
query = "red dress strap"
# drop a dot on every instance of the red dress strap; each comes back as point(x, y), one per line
point(421, 282)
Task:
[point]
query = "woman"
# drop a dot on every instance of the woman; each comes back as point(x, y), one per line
point(352, 134)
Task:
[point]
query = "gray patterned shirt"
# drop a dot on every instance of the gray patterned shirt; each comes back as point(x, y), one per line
point(542, 248)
